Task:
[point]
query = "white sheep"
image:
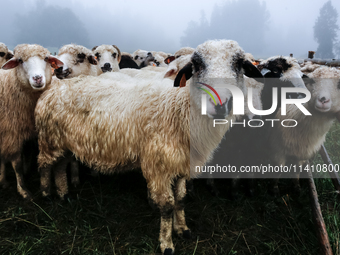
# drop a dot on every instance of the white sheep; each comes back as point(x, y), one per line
point(159, 72)
point(29, 75)
point(5, 54)
point(279, 72)
point(77, 60)
point(298, 144)
point(309, 67)
point(184, 51)
point(140, 55)
point(117, 123)
point(108, 58)
point(138, 60)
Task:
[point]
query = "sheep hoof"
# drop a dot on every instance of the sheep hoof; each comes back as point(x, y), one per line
point(187, 234)
point(168, 251)
point(26, 195)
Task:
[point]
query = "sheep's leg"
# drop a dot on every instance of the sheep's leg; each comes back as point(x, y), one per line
point(3, 181)
point(60, 177)
point(17, 165)
point(45, 180)
point(179, 216)
point(74, 172)
point(164, 199)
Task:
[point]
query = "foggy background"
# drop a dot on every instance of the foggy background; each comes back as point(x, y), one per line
point(262, 27)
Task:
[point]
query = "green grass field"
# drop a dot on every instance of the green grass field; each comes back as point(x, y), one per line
point(111, 215)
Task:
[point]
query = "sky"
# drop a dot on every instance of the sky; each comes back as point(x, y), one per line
point(159, 25)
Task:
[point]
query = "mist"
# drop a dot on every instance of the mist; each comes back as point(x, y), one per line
point(263, 28)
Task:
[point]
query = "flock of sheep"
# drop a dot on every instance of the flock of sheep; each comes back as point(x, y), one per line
point(114, 112)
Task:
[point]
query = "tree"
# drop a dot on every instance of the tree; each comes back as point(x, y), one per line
point(50, 26)
point(325, 30)
point(244, 21)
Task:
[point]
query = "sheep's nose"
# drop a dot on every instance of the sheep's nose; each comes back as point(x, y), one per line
point(323, 100)
point(107, 66)
point(58, 70)
point(37, 79)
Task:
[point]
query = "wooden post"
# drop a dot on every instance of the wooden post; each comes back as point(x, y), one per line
point(291, 55)
point(321, 232)
point(334, 175)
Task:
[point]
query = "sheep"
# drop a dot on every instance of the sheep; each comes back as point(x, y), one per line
point(140, 62)
point(309, 67)
point(140, 55)
point(5, 54)
point(29, 75)
point(176, 65)
point(160, 53)
point(181, 52)
point(158, 60)
point(77, 60)
point(155, 131)
point(241, 141)
point(301, 143)
point(184, 51)
point(159, 72)
point(108, 58)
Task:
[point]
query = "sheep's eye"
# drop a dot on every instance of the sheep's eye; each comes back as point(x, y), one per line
point(2, 54)
point(97, 56)
point(20, 61)
point(136, 57)
point(114, 55)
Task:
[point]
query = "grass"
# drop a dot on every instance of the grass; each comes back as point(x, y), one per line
point(111, 215)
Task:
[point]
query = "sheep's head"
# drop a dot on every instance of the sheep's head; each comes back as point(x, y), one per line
point(218, 64)
point(324, 86)
point(77, 60)
point(285, 69)
point(108, 57)
point(33, 65)
point(142, 57)
point(5, 54)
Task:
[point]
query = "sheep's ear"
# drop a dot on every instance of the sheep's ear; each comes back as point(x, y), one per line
point(307, 80)
point(95, 47)
point(183, 75)
point(170, 72)
point(54, 62)
point(9, 55)
point(251, 71)
point(92, 60)
point(119, 53)
point(10, 64)
point(168, 60)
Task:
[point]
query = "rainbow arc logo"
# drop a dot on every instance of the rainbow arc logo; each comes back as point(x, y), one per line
point(209, 93)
